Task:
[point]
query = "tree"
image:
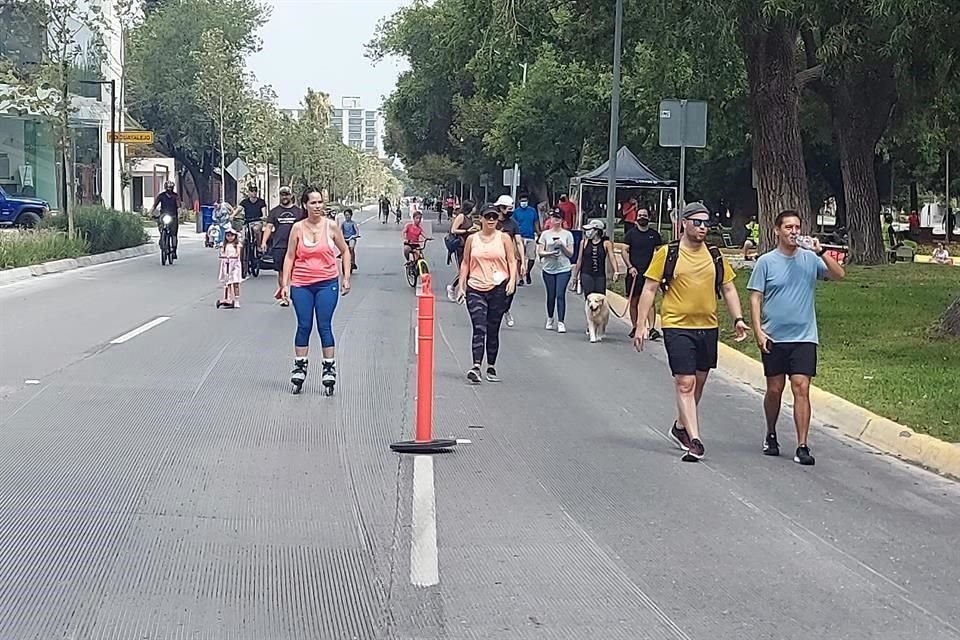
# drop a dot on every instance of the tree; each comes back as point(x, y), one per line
point(71, 33)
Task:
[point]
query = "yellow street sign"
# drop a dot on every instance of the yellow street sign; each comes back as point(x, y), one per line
point(131, 137)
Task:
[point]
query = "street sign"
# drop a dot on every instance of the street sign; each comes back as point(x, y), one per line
point(508, 177)
point(238, 169)
point(131, 137)
point(683, 123)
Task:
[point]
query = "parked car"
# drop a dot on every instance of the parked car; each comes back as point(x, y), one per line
point(21, 211)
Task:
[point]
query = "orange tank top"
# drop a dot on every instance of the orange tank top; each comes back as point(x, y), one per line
point(488, 263)
point(314, 261)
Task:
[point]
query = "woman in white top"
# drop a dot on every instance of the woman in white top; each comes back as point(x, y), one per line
point(555, 249)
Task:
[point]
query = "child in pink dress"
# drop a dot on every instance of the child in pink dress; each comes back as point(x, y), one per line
point(231, 274)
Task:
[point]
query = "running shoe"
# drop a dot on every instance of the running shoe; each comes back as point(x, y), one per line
point(633, 333)
point(654, 334)
point(770, 445)
point(803, 456)
point(680, 435)
point(509, 318)
point(492, 375)
point(474, 374)
point(529, 280)
point(550, 324)
point(695, 453)
point(561, 328)
point(451, 296)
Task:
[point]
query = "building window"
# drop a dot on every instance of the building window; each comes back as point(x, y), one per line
point(28, 164)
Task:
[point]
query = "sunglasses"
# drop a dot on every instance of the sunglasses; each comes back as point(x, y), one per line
point(698, 222)
point(491, 216)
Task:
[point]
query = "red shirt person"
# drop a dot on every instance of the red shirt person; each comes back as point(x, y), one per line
point(569, 211)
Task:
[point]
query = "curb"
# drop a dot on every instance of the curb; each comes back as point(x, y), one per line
point(9, 276)
point(850, 419)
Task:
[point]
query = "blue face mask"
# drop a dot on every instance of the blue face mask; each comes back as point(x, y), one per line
point(523, 203)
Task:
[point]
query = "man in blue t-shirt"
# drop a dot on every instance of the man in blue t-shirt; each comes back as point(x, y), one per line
point(784, 318)
point(528, 220)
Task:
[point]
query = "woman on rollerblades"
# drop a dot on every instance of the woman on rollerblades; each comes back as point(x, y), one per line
point(313, 280)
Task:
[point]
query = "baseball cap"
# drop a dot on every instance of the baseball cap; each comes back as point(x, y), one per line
point(490, 208)
point(286, 191)
point(504, 201)
point(556, 213)
point(596, 223)
point(692, 209)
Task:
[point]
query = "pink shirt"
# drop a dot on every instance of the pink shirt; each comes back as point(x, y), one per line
point(412, 233)
point(314, 262)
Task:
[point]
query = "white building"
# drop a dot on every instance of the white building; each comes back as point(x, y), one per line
point(359, 128)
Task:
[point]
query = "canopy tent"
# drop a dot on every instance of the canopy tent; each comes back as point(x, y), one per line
point(631, 174)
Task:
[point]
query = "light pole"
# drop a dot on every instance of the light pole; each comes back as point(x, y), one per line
point(113, 135)
point(515, 182)
point(614, 120)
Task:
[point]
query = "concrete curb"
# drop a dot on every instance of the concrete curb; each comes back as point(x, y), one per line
point(9, 276)
point(851, 420)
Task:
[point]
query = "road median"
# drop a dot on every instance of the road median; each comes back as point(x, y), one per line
point(9, 276)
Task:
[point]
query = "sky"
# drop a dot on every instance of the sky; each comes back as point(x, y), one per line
point(319, 44)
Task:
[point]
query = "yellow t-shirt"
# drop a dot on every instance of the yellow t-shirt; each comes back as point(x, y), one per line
point(691, 300)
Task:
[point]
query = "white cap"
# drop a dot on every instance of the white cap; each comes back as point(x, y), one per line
point(595, 223)
point(504, 201)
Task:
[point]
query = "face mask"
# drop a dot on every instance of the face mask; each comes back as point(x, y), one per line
point(508, 214)
point(591, 233)
point(643, 222)
point(523, 203)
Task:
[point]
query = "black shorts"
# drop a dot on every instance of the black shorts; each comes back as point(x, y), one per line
point(593, 284)
point(629, 286)
point(790, 358)
point(691, 350)
point(279, 255)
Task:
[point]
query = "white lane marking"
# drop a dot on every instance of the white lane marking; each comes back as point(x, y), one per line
point(31, 382)
point(424, 560)
point(463, 441)
point(141, 329)
point(370, 218)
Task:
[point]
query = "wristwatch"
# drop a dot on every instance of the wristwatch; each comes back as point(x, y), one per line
point(821, 252)
point(736, 320)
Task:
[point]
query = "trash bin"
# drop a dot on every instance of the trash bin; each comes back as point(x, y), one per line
point(206, 214)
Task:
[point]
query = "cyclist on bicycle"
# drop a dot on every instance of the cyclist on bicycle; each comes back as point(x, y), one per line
point(254, 211)
point(413, 236)
point(350, 232)
point(169, 203)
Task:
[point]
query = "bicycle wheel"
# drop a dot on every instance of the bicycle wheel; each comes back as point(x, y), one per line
point(164, 247)
point(412, 274)
point(422, 267)
point(254, 262)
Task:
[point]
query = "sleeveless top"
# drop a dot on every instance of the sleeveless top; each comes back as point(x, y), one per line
point(488, 263)
point(594, 259)
point(314, 262)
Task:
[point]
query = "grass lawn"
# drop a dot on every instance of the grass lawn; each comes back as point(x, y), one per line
point(876, 349)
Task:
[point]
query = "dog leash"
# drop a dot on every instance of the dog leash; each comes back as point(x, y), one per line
point(633, 287)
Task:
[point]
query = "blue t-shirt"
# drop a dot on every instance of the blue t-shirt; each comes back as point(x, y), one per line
point(349, 229)
point(788, 284)
point(526, 218)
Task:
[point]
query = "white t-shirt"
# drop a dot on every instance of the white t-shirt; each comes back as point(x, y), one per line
point(556, 262)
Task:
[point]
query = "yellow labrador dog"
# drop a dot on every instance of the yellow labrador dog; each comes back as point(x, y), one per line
point(598, 315)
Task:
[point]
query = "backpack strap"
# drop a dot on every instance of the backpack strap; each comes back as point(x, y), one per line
point(670, 265)
point(718, 267)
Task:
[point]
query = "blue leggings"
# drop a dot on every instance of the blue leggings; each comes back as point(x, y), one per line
point(320, 299)
point(557, 284)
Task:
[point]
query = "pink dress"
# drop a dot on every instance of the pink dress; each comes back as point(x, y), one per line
point(230, 271)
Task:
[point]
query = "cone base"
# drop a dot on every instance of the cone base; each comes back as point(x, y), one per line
point(427, 446)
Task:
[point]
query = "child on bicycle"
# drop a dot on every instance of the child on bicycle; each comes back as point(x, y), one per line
point(413, 236)
point(231, 273)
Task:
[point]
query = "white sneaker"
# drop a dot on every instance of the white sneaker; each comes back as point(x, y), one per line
point(509, 317)
point(561, 328)
point(451, 296)
point(550, 324)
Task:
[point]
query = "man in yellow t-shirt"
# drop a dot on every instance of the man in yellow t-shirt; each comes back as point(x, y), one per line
point(689, 319)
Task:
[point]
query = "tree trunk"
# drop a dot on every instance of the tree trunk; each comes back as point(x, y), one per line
point(780, 171)
point(860, 104)
point(914, 197)
point(950, 321)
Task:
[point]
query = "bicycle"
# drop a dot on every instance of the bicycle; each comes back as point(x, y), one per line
point(416, 266)
point(166, 242)
point(250, 263)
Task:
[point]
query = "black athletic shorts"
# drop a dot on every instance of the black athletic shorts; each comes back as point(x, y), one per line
point(628, 285)
point(691, 350)
point(790, 358)
point(279, 255)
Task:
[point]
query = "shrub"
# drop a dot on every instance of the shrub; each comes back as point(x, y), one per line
point(104, 229)
point(22, 248)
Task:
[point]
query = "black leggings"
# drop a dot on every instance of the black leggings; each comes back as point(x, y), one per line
point(486, 310)
point(590, 283)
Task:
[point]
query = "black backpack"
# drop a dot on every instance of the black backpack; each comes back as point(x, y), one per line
point(670, 265)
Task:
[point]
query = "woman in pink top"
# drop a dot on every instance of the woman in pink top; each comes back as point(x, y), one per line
point(488, 277)
point(313, 279)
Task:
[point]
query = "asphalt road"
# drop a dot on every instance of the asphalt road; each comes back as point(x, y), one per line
point(158, 480)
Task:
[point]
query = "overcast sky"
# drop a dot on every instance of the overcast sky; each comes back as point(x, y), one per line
point(320, 44)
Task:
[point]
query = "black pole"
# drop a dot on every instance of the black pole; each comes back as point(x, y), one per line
point(280, 165)
point(113, 143)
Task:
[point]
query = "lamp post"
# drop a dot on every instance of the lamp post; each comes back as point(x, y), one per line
point(515, 182)
point(614, 120)
point(113, 135)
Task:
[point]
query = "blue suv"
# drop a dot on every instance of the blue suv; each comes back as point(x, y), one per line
point(21, 211)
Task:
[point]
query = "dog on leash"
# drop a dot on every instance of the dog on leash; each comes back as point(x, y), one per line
point(598, 316)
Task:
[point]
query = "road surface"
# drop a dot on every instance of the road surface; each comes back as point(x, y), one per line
point(158, 480)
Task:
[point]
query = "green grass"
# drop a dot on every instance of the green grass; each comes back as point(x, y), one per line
point(877, 349)
point(25, 248)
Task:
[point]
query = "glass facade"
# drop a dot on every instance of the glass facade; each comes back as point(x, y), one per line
point(28, 164)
